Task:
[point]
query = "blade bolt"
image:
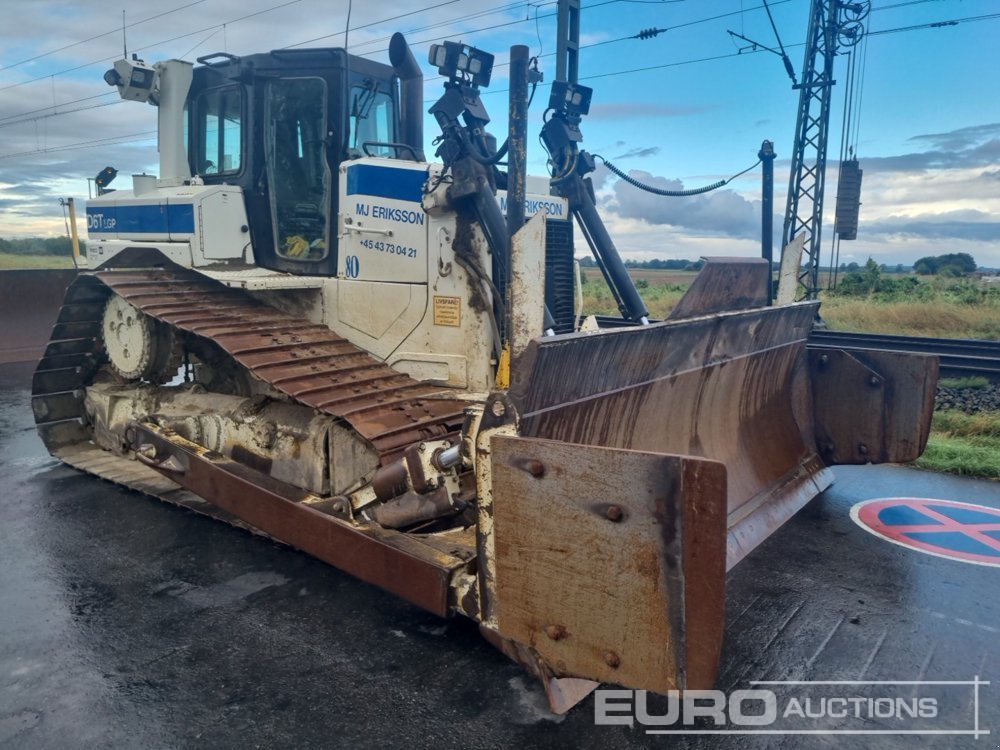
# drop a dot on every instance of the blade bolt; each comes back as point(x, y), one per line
point(862, 449)
point(555, 632)
point(614, 513)
point(873, 380)
point(498, 409)
point(536, 468)
point(612, 659)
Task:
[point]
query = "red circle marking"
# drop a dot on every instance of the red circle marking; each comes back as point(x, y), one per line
point(945, 528)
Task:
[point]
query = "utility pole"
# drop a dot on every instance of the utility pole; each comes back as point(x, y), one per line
point(832, 23)
point(568, 42)
point(766, 156)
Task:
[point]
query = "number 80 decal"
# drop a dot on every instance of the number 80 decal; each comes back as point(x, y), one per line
point(352, 266)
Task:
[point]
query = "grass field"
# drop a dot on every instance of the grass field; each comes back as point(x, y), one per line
point(943, 308)
point(18, 261)
point(967, 444)
point(936, 318)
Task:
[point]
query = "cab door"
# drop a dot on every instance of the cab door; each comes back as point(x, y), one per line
point(299, 179)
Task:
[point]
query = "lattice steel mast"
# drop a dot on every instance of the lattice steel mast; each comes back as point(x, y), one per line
point(832, 23)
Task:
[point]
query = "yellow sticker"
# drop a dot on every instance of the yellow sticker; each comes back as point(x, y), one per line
point(448, 311)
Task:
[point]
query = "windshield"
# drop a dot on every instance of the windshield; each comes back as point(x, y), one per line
point(372, 121)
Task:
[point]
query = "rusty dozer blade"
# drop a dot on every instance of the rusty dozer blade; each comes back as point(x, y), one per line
point(663, 455)
point(650, 460)
point(605, 560)
point(732, 387)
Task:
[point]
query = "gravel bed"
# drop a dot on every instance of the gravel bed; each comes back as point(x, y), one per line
point(969, 400)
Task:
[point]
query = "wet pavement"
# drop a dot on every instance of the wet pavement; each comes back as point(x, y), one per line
point(128, 623)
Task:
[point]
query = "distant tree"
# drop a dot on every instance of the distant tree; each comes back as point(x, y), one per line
point(871, 275)
point(950, 271)
point(958, 264)
point(40, 246)
point(852, 267)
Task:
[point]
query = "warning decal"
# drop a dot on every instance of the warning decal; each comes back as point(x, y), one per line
point(448, 311)
point(944, 528)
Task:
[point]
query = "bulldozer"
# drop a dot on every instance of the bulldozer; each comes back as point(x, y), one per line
point(302, 327)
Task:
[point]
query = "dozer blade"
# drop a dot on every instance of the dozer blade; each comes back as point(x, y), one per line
point(610, 564)
point(732, 387)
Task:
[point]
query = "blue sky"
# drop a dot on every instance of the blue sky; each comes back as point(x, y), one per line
point(927, 109)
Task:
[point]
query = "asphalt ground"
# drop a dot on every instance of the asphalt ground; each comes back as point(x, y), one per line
point(129, 623)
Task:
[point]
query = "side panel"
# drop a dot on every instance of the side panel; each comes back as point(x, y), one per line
point(383, 228)
point(223, 230)
point(892, 400)
point(376, 316)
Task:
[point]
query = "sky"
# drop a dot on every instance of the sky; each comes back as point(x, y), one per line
point(685, 108)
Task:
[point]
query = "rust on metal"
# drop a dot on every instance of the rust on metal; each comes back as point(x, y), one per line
point(396, 562)
point(872, 406)
point(308, 362)
point(638, 602)
point(732, 387)
point(725, 284)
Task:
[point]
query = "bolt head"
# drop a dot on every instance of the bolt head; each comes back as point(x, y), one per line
point(536, 468)
point(555, 632)
point(498, 409)
point(612, 659)
point(614, 513)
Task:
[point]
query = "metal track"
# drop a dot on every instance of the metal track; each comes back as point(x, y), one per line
point(307, 362)
point(959, 357)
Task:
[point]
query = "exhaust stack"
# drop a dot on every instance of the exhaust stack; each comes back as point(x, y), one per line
point(411, 85)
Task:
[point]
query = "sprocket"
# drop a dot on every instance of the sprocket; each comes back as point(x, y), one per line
point(138, 346)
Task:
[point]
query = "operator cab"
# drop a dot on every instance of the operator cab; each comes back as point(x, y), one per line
point(279, 125)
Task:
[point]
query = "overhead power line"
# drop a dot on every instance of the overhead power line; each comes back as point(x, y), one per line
point(629, 71)
point(98, 36)
point(935, 24)
point(109, 141)
point(154, 44)
point(4, 118)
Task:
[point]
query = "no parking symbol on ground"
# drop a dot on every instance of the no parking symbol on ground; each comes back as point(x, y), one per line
point(944, 528)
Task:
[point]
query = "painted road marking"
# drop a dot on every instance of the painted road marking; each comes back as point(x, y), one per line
point(943, 528)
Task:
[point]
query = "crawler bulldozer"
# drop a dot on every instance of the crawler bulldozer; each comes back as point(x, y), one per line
point(302, 327)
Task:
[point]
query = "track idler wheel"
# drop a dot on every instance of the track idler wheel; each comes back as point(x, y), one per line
point(138, 347)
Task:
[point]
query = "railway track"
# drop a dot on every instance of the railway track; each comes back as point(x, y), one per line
point(959, 357)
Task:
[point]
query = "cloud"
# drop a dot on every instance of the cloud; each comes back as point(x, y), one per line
point(974, 146)
point(962, 138)
point(719, 213)
point(972, 225)
point(639, 152)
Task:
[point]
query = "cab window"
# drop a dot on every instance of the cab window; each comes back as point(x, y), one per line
point(218, 132)
point(372, 119)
